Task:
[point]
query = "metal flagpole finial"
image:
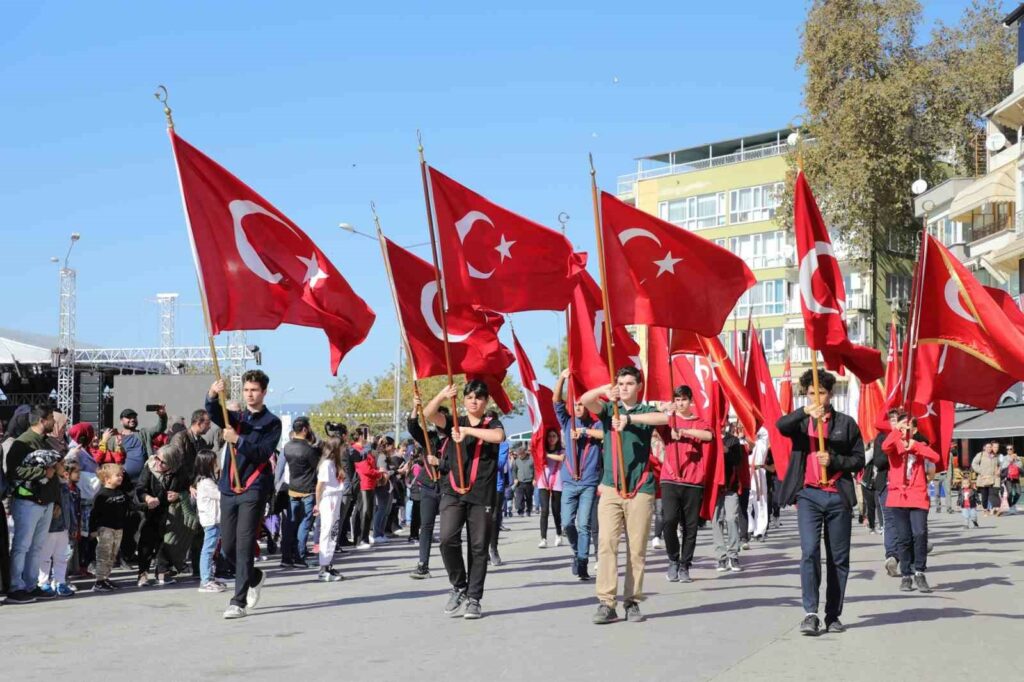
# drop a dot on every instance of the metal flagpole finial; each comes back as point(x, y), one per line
point(161, 96)
point(563, 218)
point(419, 143)
point(590, 156)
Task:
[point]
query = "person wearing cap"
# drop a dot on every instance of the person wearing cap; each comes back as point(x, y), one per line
point(136, 443)
point(302, 460)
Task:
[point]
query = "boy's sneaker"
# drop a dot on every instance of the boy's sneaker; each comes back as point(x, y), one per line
point(655, 542)
point(143, 580)
point(44, 594)
point(329, 575)
point(633, 614)
point(19, 597)
point(907, 584)
point(543, 543)
point(166, 580)
point(673, 572)
point(892, 567)
point(456, 600)
point(64, 590)
point(810, 625)
point(723, 566)
point(473, 610)
point(421, 572)
point(234, 612)
point(581, 568)
point(364, 545)
point(921, 583)
point(734, 565)
point(253, 597)
point(558, 541)
point(684, 575)
point(834, 626)
point(210, 587)
point(102, 586)
point(575, 567)
point(605, 614)
point(495, 558)
point(287, 563)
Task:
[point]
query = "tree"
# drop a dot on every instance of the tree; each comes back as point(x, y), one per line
point(883, 110)
point(372, 401)
point(557, 360)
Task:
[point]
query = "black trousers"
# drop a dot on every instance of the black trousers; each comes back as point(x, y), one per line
point(744, 517)
point(524, 498)
point(367, 500)
point(5, 552)
point(871, 509)
point(911, 539)
point(681, 509)
point(456, 512)
point(346, 520)
point(239, 524)
point(546, 499)
point(151, 543)
point(497, 516)
point(130, 536)
point(430, 498)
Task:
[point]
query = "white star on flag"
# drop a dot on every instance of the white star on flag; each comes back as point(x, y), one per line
point(667, 264)
point(313, 272)
point(504, 248)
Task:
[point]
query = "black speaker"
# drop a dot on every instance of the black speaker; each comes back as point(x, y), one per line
point(90, 398)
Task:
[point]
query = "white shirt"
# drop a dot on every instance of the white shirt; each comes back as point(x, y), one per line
point(327, 474)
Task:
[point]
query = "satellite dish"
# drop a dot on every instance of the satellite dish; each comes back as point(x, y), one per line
point(919, 186)
point(995, 142)
point(792, 139)
point(779, 345)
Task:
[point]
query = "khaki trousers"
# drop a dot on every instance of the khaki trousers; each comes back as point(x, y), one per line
point(614, 515)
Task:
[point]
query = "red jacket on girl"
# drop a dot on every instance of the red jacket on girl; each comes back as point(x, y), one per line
point(907, 491)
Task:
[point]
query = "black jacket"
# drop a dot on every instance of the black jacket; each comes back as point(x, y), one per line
point(881, 463)
point(845, 447)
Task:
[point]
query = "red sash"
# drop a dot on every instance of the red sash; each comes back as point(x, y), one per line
point(260, 468)
point(616, 449)
point(474, 467)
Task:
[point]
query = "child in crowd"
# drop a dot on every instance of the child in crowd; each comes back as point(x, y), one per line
point(969, 501)
point(208, 506)
point(110, 509)
point(53, 564)
point(330, 486)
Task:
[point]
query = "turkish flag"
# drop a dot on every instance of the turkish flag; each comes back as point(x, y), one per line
point(872, 404)
point(786, 389)
point(256, 267)
point(494, 258)
point(663, 275)
point(540, 406)
point(747, 412)
point(822, 294)
point(760, 386)
point(695, 371)
point(958, 311)
point(472, 333)
point(588, 363)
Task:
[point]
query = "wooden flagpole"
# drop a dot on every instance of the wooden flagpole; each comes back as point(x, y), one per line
point(431, 473)
point(428, 200)
point(608, 338)
point(235, 481)
point(570, 403)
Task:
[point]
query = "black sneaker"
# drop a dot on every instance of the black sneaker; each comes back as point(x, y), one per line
point(633, 614)
point(673, 572)
point(834, 626)
point(575, 568)
point(420, 572)
point(723, 566)
point(907, 584)
point(473, 610)
point(810, 625)
point(734, 565)
point(112, 585)
point(102, 586)
point(605, 614)
point(43, 595)
point(456, 600)
point(684, 575)
point(287, 563)
point(19, 597)
point(921, 583)
point(329, 575)
point(581, 570)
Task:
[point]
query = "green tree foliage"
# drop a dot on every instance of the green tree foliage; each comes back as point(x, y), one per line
point(372, 401)
point(557, 359)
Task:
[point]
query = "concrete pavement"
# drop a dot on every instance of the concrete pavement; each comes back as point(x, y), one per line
point(378, 624)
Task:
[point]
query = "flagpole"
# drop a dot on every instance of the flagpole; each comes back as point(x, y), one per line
point(236, 484)
point(608, 339)
point(431, 474)
point(570, 403)
point(427, 199)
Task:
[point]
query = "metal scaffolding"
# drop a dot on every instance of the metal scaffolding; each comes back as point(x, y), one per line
point(155, 358)
point(235, 365)
point(168, 311)
point(64, 354)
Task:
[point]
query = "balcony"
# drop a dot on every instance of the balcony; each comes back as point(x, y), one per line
point(858, 301)
point(626, 183)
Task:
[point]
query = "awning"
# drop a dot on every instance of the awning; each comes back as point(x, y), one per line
point(1009, 112)
point(997, 187)
point(12, 351)
point(1003, 422)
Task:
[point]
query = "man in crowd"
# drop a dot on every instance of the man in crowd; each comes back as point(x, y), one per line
point(523, 477)
point(726, 525)
point(302, 460)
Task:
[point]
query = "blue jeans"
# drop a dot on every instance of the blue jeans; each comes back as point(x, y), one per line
point(912, 538)
point(295, 527)
point(577, 503)
point(31, 525)
point(211, 535)
point(889, 538)
point(819, 511)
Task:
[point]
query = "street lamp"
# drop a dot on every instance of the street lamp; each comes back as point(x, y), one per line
point(348, 227)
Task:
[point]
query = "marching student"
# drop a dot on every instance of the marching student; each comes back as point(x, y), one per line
point(823, 506)
point(467, 497)
point(908, 500)
point(682, 481)
point(881, 465)
point(580, 473)
point(627, 497)
point(246, 482)
point(726, 525)
point(549, 487)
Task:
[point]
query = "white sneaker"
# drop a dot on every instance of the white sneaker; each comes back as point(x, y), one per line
point(558, 541)
point(233, 612)
point(371, 539)
point(543, 543)
point(252, 598)
point(364, 545)
point(656, 543)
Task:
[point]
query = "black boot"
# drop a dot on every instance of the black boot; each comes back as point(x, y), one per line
point(581, 567)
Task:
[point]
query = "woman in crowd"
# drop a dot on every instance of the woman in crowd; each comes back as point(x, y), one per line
point(549, 486)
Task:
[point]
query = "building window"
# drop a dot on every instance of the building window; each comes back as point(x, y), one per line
point(762, 250)
point(752, 204)
point(693, 213)
point(769, 337)
point(897, 287)
point(946, 230)
point(764, 298)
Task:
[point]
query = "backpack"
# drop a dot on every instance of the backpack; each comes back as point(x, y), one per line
point(1013, 472)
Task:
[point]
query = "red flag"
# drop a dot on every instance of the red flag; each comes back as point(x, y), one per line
point(658, 374)
point(256, 267)
point(786, 389)
point(695, 371)
point(760, 386)
point(538, 401)
point(822, 294)
point(872, 404)
point(472, 333)
point(746, 411)
point(588, 362)
point(958, 311)
point(664, 275)
point(494, 258)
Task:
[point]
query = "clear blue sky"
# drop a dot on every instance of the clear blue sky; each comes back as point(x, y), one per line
point(315, 105)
